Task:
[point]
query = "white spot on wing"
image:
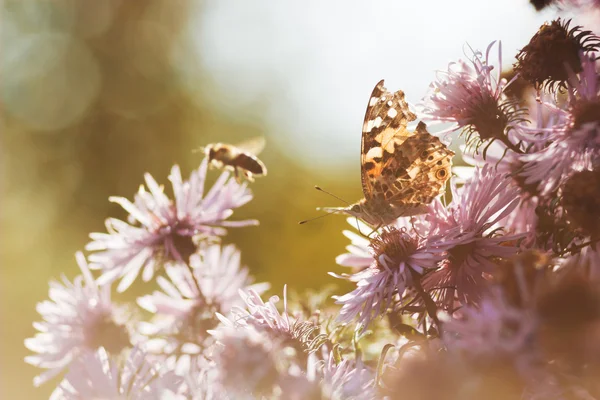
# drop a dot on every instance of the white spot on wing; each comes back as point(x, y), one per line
point(375, 152)
point(392, 113)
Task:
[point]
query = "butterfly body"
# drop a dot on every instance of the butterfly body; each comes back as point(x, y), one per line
point(401, 171)
point(241, 162)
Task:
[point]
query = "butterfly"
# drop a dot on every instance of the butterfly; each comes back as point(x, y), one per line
point(401, 171)
point(241, 159)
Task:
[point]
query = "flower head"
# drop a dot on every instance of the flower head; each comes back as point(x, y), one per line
point(247, 362)
point(302, 336)
point(469, 95)
point(165, 229)
point(472, 237)
point(575, 143)
point(97, 376)
point(185, 307)
point(552, 51)
point(78, 318)
point(395, 255)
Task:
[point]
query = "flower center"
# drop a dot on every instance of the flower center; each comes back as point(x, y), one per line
point(489, 121)
point(457, 255)
point(393, 244)
point(105, 332)
point(553, 46)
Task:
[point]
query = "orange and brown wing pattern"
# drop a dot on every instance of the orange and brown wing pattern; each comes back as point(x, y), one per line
point(384, 131)
point(423, 163)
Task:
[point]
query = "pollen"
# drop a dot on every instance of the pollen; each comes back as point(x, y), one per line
point(393, 245)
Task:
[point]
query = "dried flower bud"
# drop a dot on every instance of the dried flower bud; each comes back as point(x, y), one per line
point(552, 51)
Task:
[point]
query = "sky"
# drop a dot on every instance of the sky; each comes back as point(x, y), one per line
point(313, 64)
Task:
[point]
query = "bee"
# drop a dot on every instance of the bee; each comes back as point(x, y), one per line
point(240, 159)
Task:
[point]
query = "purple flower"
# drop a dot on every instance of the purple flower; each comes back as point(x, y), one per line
point(472, 98)
point(78, 318)
point(330, 380)
point(96, 376)
point(472, 237)
point(165, 230)
point(492, 330)
point(301, 334)
point(395, 254)
point(247, 362)
point(185, 308)
point(575, 141)
point(347, 380)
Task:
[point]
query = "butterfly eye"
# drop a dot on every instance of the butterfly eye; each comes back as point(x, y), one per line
point(441, 174)
point(355, 208)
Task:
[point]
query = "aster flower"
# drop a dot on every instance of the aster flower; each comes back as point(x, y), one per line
point(575, 145)
point(327, 379)
point(552, 51)
point(78, 318)
point(97, 376)
point(165, 230)
point(395, 255)
point(301, 335)
point(248, 363)
point(185, 307)
point(472, 237)
point(347, 380)
point(494, 329)
point(472, 98)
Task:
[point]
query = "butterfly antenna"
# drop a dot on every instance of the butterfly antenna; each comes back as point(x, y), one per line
point(320, 216)
point(332, 195)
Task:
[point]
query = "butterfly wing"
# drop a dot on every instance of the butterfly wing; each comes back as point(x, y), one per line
point(423, 166)
point(384, 129)
point(400, 167)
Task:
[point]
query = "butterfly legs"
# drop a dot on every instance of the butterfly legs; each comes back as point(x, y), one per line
point(369, 235)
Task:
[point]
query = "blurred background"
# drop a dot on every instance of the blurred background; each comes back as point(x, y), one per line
point(95, 93)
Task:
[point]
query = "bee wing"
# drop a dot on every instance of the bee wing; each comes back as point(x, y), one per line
point(252, 146)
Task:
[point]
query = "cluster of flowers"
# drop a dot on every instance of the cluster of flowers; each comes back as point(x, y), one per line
point(493, 293)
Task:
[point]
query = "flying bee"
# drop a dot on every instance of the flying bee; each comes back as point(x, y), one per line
point(240, 159)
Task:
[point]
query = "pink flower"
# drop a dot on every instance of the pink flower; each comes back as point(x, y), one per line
point(469, 95)
point(394, 255)
point(302, 334)
point(575, 144)
point(97, 376)
point(78, 318)
point(165, 229)
point(472, 237)
point(185, 307)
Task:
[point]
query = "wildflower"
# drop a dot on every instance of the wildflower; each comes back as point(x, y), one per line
point(300, 335)
point(469, 95)
point(330, 380)
point(575, 145)
point(347, 380)
point(247, 362)
point(168, 229)
point(97, 376)
point(494, 329)
point(395, 256)
point(185, 308)
point(472, 237)
point(78, 318)
point(552, 51)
